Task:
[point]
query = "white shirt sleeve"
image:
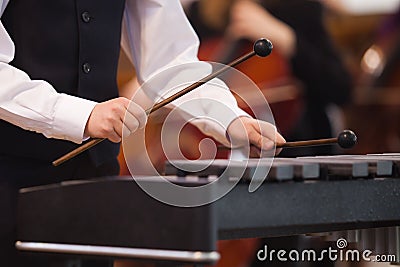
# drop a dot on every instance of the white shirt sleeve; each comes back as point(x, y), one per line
point(157, 36)
point(34, 104)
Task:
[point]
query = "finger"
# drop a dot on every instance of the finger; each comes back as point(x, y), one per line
point(255, 137)
point(267, 144)
point(280, 139)
point(260, 141)
point(110, 129)
point(270, 134)
point(267, 130)
point(125, 131)
point(131, 124)
point(255, 152)
point(260, 134)
point(114, 137)
point(118, 129)
point(136, 111)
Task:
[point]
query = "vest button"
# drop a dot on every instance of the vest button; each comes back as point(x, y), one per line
point(86, 17)
point(86, 68)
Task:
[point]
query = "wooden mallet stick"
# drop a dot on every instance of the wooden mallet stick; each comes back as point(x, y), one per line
point(262, 48)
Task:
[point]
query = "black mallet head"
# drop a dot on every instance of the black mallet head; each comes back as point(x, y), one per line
point(347, 139)
point(263, 47)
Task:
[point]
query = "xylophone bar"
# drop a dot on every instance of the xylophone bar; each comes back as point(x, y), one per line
point(336, 167)
point(302, 168)
point(393, 157)
point(377, 166)
point(279, 171)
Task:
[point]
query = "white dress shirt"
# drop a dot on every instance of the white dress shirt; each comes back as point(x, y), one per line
point(156, 36)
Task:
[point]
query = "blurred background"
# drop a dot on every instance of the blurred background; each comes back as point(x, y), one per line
point(335, 66)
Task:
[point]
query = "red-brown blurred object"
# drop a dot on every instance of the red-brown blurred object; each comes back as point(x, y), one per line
point(272, 76)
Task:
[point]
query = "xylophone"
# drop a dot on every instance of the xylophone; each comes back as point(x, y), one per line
point(112, 217)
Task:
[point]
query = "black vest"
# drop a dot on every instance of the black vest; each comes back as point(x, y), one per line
point(72, 44)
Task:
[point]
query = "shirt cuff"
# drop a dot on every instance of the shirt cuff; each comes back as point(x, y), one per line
point(70, 118)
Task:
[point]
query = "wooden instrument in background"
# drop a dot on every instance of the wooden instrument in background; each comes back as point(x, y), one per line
point(272, 76)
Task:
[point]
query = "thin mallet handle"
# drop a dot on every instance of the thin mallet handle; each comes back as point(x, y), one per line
point(262, 48)
point(318, 142)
